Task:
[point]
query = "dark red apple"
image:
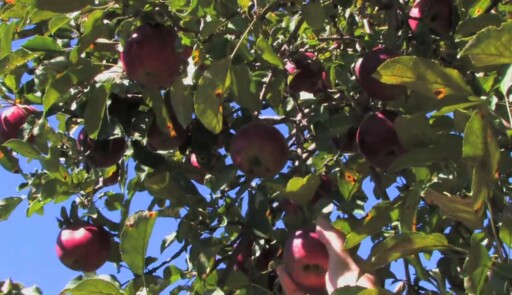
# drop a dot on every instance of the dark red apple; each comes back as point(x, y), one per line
point(152, 57)
point(378, 141)
point(258, 149)
point(306, 260)
point(101, 153)
point(307, 74)
point(83, 247)
point(367, 65)
point(12, 119)
point(437, 15)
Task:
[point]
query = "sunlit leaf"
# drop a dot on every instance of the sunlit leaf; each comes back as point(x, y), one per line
point(456, 208)
point(268, 53)
point(93, 285)
point(403, 245)
point(7, 205)
point(134, 239)
point(423, 75)
point(491, 46)
point(210, 93)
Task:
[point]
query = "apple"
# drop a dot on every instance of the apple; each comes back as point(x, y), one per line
point(378, 141)
point(307, 74)
point(83, 247)
point(367, 65)
point(435, 14)
point(258, 149)
point(101, 153)
point(151, 57)
point(12, 119)
point(306, 259)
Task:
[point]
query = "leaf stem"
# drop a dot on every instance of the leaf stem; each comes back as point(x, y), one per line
point(501, 253)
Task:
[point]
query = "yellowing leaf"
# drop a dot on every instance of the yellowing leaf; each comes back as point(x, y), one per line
point(456, 208)
point(423, 75)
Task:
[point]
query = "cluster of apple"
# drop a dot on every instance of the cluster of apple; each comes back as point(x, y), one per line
point(152, 58)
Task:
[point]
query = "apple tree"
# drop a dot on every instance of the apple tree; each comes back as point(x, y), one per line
point(244, 121)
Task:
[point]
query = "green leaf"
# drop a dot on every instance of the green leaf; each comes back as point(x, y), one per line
point(506, 83)
point(9, 161)
point(7, 205)
point(381, 215)
point(456, 208)
point(23, 148)
point(477, 265)
point(268, 53)
point(403, 245)
point(490, 46)
point(302, 190)
point(7, 32)
point(506, 227)
point(57, 5)
point(314, 14)
point(42, 43)
point(210, 93)
point(414, 130)
point(182, 102)
point(95, 285)
point(202, 255)
point(423, 75)
point(17, 58)
point(472, 25)
point(480, 146)
point(95, 109)
point(134, 239)
point(244, 88)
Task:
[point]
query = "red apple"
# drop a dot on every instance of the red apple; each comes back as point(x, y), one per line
point(306, 259)
point(83, 247)
point(12, 119)
point(258, 149)
point(367, 65)
point(101, 153)
point(308, 74)
point(151, 57)
point(378, 140)
point(435, 14)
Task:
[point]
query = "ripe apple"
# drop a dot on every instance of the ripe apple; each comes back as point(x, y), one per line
point(101, 153)
point(378, 141)
point(435, 14)
point(12, 119)
point(258, 149)
point(308, 74)
point(367, 65)
point(306, 259)
point(151, 57)
point(83, 247)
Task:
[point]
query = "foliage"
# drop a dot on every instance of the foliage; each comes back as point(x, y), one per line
point(454, 181)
